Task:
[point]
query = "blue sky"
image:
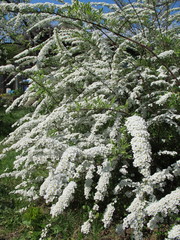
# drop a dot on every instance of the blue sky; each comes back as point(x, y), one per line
point(53, 1)
point(108, 1)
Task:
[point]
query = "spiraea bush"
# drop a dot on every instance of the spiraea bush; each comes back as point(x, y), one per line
point(104, 132)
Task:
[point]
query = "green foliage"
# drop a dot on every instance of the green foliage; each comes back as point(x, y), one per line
point(10, 219)
point(174, 101)
point(122, 148)
point(9, 50)
point(66, 227)
point(7, 161)
point(85, 11)
point(33, 217)
point(8, 119)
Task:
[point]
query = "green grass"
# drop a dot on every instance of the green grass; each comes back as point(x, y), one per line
point(8, 119)
point(10, 219)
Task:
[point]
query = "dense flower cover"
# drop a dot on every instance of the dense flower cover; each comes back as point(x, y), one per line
point(174, 233)
point(102, 100)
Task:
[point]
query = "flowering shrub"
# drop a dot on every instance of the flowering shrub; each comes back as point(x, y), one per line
point(105, 124)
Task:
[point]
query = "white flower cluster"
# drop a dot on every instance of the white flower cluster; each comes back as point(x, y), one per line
point(88, 181)
point(140, 145)
point(64, 199)
point(166, 54)
point(165, 152)
point(53, 185)
point(136, 218)
point(85, 228)
point(135, 94)
point(103, 183)
point(174, 233)
point(108, 214)
point(44, 50)
point(176, 168)
point(104, 50)
point(163, 98)
point(30, 194)
point(7, 68)
point(158, 179)
point(44, 232)
point(166, 205)
point(122, 184)
point(136, 126)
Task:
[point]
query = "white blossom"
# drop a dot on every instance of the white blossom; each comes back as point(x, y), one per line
point(7, 68)
point(85, 228)
point(88, 181)
point(165, 152)
point(64, 200)
point(44, 232)
point(136, 218)
point(163, 98)
point(140, 145)
point(108, 214)
point(105, 175)
point(165, 205)
point(174, 233)
point(166, 54)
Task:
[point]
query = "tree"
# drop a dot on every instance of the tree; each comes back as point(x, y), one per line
point(16, 36)
point(12, 39)
point(104, 89)
point(10, 32)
